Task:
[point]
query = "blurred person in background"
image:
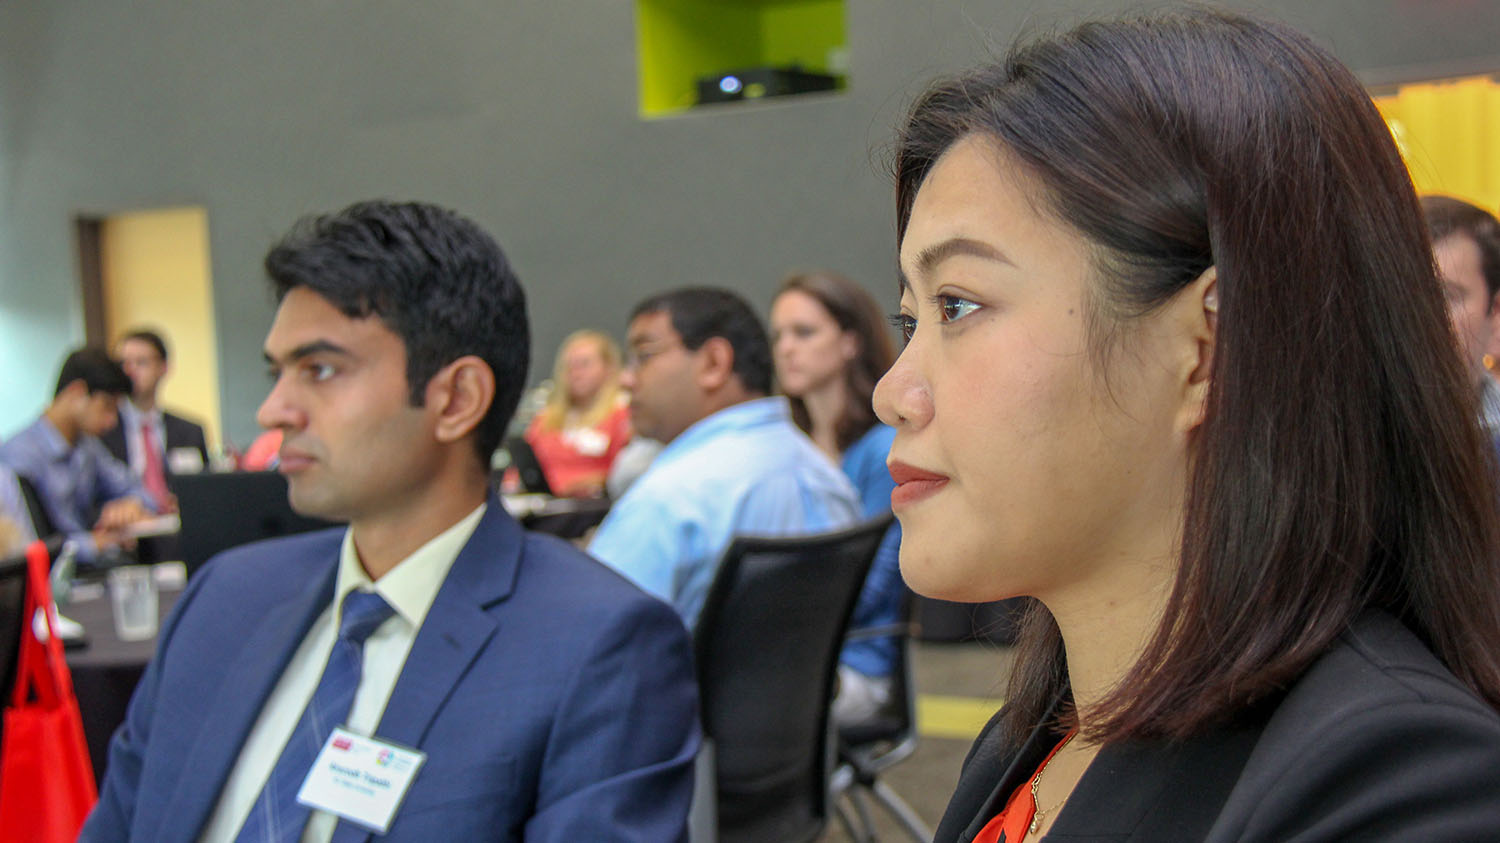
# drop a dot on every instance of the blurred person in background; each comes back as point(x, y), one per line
point(830, 346)
point(1466, 248)
point(155, 443)
point(586, 420)
point(90, 496)
point(1179, 368)
point(699, 377)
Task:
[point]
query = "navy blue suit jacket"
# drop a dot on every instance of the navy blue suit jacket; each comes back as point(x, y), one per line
point(554, 699)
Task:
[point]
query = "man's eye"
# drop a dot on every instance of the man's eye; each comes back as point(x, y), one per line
point(953, 308)
point(319, 371)
point(904, 323)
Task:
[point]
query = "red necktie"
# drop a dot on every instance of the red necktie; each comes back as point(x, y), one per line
point(152, 477)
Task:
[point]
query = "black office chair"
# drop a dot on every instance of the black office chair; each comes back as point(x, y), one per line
point(767, 646)
point(41, 519)
point(869, 748)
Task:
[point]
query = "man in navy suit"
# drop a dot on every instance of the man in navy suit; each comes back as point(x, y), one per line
point(537, 695)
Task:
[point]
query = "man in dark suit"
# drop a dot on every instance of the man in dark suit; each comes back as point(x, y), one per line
point(153, 442)
point(535, 694)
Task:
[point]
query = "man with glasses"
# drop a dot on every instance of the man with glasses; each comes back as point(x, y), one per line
point(699, 373)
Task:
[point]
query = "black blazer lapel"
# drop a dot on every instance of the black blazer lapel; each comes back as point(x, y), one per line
point(114, 442)
point(1158, 790)
point(1133, 791)
point(992, 772)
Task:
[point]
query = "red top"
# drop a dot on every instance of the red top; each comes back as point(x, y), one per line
point(577, 459)
point(1011, 824)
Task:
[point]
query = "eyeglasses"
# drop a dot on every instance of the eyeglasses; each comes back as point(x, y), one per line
point(638, 357)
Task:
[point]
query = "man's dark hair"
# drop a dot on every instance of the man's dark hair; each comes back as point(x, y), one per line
point(98, 371)
point(150, 337)
point(436, 279)
point(1447, 216)
point(701, 313)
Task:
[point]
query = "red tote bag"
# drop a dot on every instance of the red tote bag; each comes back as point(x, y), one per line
point(46, 780)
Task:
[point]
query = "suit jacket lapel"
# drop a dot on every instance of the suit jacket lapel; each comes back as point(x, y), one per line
point(455, 630)
point(262, 660)
point(1161, 790)
point(1018, 768)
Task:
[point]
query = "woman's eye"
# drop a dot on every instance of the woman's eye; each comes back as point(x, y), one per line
point(904, 323)
point(954, 308)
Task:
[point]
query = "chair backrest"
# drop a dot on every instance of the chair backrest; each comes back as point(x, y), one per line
point(767, 646)
point(41, 520)
point(896, 722)
point(220, 511)
point(533, 479)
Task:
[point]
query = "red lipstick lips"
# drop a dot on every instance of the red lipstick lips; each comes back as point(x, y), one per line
point(913, 484)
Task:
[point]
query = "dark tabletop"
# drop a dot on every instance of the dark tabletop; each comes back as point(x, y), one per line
point(105, 672)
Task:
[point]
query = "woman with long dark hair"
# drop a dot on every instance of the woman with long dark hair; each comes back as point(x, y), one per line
point(1178, 367)
point(830, 345)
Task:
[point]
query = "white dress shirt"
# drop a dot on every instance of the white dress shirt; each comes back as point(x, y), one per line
point(410, 588)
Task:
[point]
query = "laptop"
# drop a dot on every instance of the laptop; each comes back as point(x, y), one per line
point(220, 511)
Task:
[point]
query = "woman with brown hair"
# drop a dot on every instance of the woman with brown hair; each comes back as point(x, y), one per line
point(830, 345)
point(1178, 367)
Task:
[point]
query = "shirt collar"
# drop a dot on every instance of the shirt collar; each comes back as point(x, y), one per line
point(413, 584)
point(741, 416)
point(133, 415)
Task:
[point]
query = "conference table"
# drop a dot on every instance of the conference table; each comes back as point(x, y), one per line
point(106, 670)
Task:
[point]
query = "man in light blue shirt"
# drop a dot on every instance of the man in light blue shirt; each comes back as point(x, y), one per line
point(90, 496)
point(735, 464)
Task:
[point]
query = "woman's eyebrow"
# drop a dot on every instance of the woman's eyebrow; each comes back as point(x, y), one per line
point(935, 254)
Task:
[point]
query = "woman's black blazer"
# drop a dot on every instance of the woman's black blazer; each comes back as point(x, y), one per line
point(1376, 741)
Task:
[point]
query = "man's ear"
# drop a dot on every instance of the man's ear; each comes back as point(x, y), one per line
point(715, 364)
point(459, 396)
point(1198, 312)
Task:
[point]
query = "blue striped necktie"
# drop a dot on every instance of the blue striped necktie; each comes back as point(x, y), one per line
point(276, 814)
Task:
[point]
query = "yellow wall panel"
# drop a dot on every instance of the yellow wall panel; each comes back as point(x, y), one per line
point(156, 274)
point(1449, 133)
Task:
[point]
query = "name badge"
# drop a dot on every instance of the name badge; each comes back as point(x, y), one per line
point(184, 461)
point(362, 780)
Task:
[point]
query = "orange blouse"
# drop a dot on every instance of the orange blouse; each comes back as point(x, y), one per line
point(576, 459)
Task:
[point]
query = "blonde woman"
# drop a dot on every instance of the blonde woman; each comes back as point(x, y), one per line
point(586, 420)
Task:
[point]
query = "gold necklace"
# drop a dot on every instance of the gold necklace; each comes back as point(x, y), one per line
point(1038, 813)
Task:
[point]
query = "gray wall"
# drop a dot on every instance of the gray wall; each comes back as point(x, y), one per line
point(521, 114)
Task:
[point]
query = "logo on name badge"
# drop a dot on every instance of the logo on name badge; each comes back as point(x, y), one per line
point(383, 758)
point(341, 743)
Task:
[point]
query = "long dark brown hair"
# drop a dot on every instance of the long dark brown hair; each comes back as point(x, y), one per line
point(1339, 465)
point(856, 312)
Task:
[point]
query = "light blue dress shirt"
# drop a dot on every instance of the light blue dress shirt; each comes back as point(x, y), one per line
point(73, 482)
point(880, 599)
point(745, 470)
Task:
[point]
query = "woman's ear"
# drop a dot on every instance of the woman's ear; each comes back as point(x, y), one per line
point(1201, 313)
point(459, 396)
point(848, 345)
